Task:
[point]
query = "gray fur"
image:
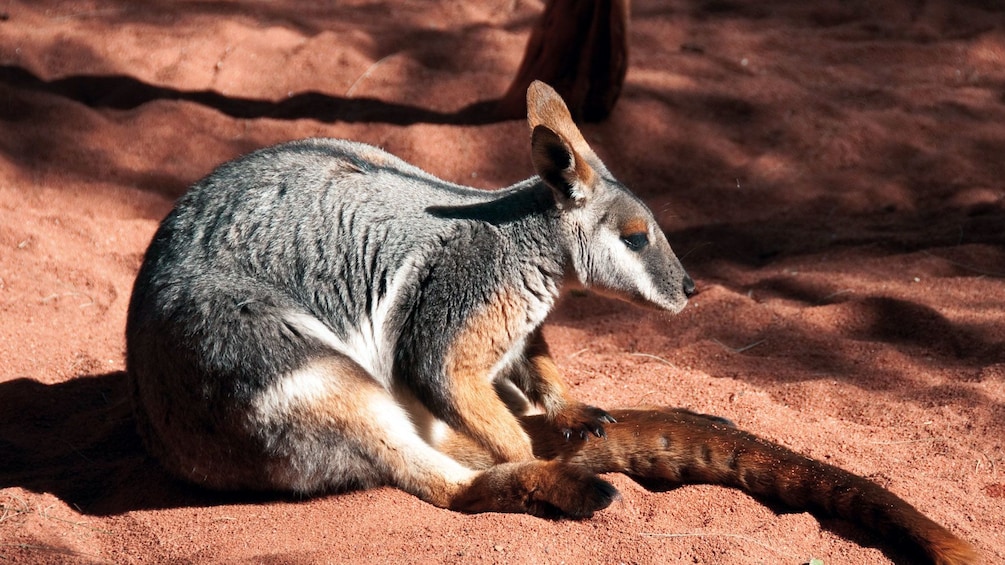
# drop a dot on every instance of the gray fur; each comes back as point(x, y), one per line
point(328, 248)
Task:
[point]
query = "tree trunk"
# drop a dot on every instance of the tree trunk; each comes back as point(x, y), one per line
point(580, 48)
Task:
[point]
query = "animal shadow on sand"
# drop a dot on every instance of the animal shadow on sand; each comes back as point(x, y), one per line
point(77, 440)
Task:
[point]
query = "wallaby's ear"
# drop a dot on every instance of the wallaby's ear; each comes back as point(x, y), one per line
point(560, 167)
point(558, 149)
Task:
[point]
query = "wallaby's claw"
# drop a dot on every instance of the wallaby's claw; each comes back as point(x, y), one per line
point(583, 419)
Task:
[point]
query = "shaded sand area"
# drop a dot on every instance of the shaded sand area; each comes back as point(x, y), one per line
point(830, 172)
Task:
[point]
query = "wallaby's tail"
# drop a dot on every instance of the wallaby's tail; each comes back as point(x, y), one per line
point(677, 446)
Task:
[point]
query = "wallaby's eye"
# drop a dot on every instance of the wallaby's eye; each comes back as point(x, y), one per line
point(636, 241)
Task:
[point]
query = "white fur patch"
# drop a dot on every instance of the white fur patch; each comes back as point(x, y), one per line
point(375, 418)
point(625, 267)
point(311, 326)
point(368, 344)
point(512, 355)
point(404, 440)
point(305, 386)
point(380, 343)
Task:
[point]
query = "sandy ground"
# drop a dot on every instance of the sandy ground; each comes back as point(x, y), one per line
point(831, 172)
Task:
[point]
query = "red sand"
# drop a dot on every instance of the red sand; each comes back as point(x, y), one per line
point(831, 173)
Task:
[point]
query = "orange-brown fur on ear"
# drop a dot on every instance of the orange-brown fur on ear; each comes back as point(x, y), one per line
point(560, 166)
point(545, 107)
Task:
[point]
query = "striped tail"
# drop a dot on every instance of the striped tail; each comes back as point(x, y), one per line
point(677, 446)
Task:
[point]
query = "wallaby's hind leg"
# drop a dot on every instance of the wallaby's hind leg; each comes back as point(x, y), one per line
point(331, 426)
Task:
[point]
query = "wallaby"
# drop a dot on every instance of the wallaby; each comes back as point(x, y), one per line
point(321, 316)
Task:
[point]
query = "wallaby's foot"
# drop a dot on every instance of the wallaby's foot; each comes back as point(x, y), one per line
point(549, 489)
point(582, 420)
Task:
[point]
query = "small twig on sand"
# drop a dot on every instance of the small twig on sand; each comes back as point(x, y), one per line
point(979, 463)
point(87, 14)
point(45, 514)
point(903, 441)
point(740, 537)
point(656, 357)
point(15, 506)
point(352, 87)
point(54, 296)
point(695, 248)
point(739, 349)
point(994, 274)
point(837, 293)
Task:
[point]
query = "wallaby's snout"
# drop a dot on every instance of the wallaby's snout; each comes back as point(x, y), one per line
point(688, 286)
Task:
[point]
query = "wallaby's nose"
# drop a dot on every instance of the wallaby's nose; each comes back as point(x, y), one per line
point(688, 285)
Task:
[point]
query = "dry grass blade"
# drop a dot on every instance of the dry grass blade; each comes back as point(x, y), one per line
point(740, 537)
point(655, 357)
point(15, 506)
point(739, 349)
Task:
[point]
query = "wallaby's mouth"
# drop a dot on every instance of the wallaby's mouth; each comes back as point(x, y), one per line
point(671, 305)
point(674, 308)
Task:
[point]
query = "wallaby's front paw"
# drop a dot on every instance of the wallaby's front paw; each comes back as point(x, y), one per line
point(582, 419)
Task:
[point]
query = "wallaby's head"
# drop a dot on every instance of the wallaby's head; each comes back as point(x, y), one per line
point(612, 239)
